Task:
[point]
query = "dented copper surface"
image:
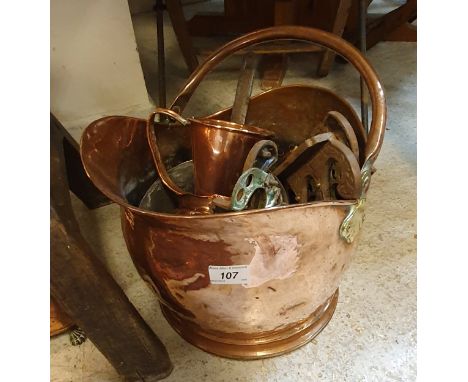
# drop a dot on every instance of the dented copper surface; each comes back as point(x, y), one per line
point(296, 254)
point(260, 344)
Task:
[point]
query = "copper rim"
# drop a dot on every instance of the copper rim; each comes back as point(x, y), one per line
point(87, 145)
point(251, 347)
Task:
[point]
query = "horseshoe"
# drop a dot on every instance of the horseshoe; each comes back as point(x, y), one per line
point(262, 155)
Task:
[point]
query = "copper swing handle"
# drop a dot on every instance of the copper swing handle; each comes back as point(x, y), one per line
point(153, 144)
point(322, 38)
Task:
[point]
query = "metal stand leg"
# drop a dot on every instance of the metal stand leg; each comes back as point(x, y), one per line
point(159, 8)
point(362, 46)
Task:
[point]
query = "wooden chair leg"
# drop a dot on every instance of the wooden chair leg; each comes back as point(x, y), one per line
point(406, 32)
point(381, 27)
point(378, 29)
point(341, 18)
point(174, 7)
point(90, 296)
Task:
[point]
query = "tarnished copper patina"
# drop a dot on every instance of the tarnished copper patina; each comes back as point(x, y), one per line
point(296, 254)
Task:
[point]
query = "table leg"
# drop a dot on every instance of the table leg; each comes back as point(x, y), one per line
point(341, 18)
point(174, 7)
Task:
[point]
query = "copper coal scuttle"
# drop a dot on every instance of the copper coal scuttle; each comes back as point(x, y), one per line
point(244, 221)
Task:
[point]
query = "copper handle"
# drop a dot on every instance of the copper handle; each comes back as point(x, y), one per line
point(153, 144)
point(319, 37)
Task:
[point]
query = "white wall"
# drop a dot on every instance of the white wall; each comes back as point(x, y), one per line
point(95, 67)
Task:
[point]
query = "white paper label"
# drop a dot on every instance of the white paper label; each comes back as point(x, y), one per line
point(230, 274)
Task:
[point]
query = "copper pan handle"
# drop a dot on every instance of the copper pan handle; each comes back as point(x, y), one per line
point(319, 37)
point(153, 144)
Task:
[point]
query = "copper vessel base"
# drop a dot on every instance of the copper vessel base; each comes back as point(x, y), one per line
point(270, 345)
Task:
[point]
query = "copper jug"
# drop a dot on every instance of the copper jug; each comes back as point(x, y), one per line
point(219, 149)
